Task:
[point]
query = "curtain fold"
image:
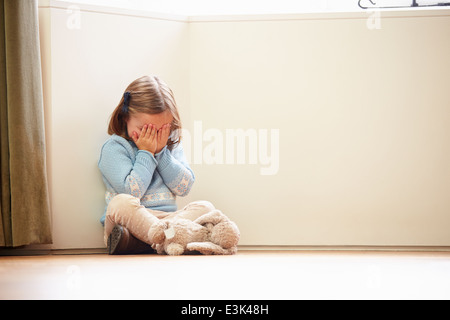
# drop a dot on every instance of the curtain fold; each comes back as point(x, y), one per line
point(25, 208)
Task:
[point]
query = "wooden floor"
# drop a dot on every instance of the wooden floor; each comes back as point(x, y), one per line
point(247, 275)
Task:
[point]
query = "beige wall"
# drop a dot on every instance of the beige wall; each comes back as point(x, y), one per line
point(362, 115)
point(364, 119)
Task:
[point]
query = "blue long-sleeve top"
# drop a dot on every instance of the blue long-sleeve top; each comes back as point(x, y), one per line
point(155, 180)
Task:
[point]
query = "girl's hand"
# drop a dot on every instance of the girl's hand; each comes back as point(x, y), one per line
point(147, 139)
point(162, 137)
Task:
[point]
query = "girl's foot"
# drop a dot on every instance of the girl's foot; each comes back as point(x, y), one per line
point(121, 242)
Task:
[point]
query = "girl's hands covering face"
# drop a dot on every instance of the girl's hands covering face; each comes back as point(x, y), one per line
point(147, 140)
point(151, 139)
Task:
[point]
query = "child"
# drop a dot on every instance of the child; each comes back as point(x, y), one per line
point(143, 167)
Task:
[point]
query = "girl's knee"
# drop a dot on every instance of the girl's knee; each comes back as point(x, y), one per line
point(122, 203)
point(203, 206)
point(207, 206)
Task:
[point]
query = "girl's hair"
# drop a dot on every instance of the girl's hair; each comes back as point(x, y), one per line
point(149, 95)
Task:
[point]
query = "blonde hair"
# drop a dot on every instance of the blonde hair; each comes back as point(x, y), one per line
point(149, 95)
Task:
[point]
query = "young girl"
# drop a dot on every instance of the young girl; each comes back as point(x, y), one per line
point(143, 167)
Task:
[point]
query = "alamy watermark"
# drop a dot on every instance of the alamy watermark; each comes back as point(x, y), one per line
point(374, 20)
point(73, 282)
point(233, 146)
point(74, 19)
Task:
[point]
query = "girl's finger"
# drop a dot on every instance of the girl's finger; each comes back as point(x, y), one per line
point(159, 134)
point(153, 132)
point(149, 131)
point(144, 131)
point(134, 136)
point(168, 131)
point(163, 128)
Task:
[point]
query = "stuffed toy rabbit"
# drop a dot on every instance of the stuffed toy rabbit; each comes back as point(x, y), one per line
point(212, 233)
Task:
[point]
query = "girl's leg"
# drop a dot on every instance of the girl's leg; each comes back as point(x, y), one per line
point(193, 210)
point(126, 211)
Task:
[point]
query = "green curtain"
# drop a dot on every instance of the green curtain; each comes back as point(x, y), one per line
point(25, 209)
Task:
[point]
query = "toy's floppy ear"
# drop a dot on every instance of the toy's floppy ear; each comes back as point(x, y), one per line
point(174, 249)
point(209, 248)
point(214, 217)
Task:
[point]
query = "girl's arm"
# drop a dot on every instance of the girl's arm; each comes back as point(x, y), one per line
point(175, 171)
point(119, 171)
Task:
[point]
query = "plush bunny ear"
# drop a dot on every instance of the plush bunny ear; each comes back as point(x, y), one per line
point(209, 248)
point(174, 249)
point(214, 217)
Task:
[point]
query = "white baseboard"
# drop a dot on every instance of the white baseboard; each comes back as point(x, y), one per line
point(43, 250)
